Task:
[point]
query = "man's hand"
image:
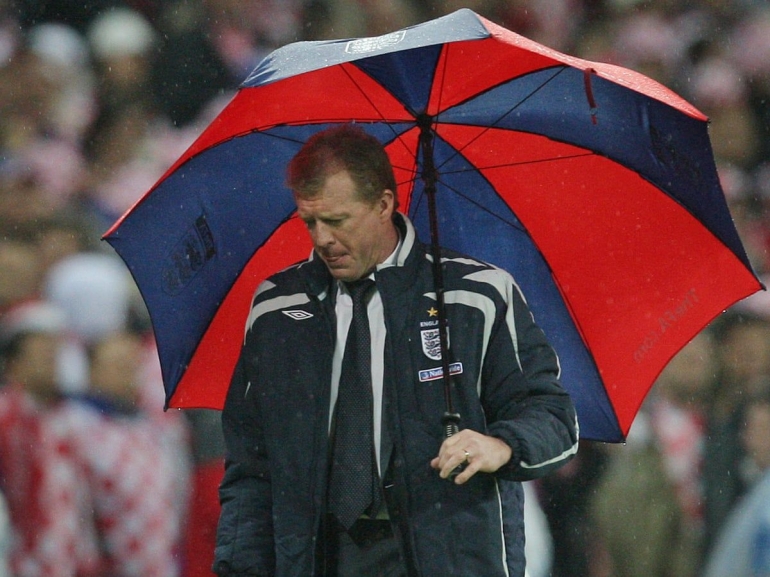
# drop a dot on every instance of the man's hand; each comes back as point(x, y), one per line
point(479, 453)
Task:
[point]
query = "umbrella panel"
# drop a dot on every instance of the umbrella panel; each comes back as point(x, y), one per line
point(626, 261)
point(667, 147)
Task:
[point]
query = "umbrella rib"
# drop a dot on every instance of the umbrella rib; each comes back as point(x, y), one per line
point(371, 103)
point(477, 168)
point(485, 128)
point(492, 167)
point(476, 204)
point(485, 209)
point(439, 108)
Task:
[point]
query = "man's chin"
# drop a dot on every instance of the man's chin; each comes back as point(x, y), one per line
point(337, 268)
point(342, 273)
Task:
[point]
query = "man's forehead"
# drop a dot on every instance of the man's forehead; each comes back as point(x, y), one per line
point(335, 189)
point(320, 206)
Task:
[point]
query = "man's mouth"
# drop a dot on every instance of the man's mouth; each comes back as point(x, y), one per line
point(333, 259)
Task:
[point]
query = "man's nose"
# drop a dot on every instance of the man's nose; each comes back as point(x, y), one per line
point(323, 235)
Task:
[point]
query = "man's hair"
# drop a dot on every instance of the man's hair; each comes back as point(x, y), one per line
point(347, 147)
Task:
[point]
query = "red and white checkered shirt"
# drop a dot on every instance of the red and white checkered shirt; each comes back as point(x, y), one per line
point(52, 529)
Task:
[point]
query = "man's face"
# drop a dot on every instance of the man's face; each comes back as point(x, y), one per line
point(351, 236)
point(115, 367)
point(34, 367)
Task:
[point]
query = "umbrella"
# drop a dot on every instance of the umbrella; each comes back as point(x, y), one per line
point(593, 185)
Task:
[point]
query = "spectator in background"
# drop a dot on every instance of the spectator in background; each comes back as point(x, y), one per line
point(743, 351)
point(648, 505)
point(748, 49)
point(94, 291)
point(20, 273)
point(25, 100)
point(45, 105)
point(66, 62)
point(564, 497)
point(210, 46)
point(23, 200)
point(133, 481)
point(131, 142)
point(723, 95)
point(122, 41)
point(742, 548)
point(52, 153)
point(128, 150)
point(188, 72)
point(49, 507)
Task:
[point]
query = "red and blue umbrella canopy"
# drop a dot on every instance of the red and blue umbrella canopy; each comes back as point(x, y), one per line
point(593, 185)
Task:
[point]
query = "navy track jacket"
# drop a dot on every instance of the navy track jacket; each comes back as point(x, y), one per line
point(276, 419)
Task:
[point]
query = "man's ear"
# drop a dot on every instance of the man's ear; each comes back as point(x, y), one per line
point(387, 204)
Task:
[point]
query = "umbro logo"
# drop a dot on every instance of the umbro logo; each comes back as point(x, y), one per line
point(297, 315)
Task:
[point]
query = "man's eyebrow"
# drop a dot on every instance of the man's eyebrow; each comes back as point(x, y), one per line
point(324, 217)
point(332, 216)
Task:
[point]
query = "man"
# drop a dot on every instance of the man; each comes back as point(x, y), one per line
point(287, 414)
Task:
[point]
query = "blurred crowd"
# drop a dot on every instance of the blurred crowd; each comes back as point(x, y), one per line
point(98, 98)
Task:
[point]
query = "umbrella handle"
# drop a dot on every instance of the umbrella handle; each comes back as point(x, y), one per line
point(450, 422)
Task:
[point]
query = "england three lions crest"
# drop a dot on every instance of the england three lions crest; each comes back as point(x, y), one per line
point(431, 343)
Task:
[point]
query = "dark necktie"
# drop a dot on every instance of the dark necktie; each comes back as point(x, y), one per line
point(354, 482)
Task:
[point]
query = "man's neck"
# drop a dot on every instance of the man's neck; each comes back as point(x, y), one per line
point(393, 243)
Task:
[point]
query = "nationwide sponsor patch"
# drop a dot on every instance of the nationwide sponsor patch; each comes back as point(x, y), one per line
point(297, 315)
point(438, 372)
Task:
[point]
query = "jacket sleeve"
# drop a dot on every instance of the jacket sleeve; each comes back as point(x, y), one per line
point(244, 544)
point(523, 400)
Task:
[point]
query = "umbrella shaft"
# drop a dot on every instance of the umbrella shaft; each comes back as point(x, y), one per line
point(429, 179)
